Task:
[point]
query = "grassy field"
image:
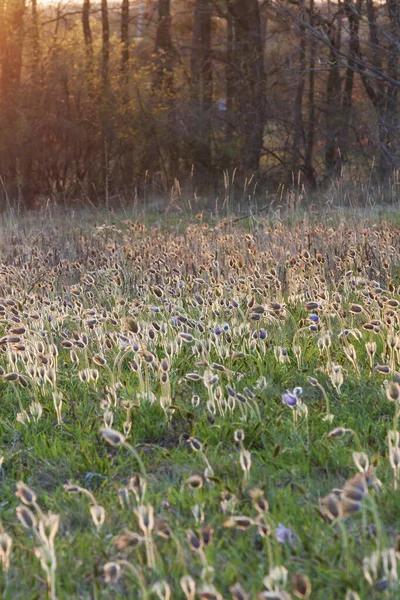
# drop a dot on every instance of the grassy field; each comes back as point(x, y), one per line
point(200, 411)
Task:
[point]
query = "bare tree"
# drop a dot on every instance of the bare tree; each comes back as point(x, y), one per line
point(333, 114)
point(250, 81)
point(298, 136)
point(124, 39)
point(87, 32)
point(353, 17)
point(106, 41)
point(12, 45)
point(202, 85)
point(163, 75)
point(309, 172)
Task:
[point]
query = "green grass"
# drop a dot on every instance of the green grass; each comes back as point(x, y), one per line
point(140, 281)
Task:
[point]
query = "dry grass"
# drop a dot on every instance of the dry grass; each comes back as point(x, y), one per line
point(200, 409)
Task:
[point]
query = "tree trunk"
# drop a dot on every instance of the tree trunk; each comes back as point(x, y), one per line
point(392, 117)
point(106, 42)
point(162, 152)
point(127, 144)
point(87, 32)
point(35, 40)
point(332, 114)
point(250, 89)
point(230, 78)
point(201, 85)
point(12, 46)
point(353, 17)
point(125, 39)
point(298, 102)
point(2, 30)
point(310, 137)
point(384, 94)
point(163, 76)
point(106, 109)
point(11, 64)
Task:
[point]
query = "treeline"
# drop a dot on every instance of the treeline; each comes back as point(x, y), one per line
point(101, 99)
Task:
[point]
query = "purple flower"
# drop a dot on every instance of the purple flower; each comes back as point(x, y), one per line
point(313, 317)
point(289, 398)
point(284, 535)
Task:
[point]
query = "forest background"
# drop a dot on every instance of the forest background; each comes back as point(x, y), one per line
point(139, 97)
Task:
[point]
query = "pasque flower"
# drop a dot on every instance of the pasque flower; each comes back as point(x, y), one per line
point(290, 399)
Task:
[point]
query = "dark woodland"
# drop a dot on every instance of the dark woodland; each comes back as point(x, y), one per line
point(103, 99)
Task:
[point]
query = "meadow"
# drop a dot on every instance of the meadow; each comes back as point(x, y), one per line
point(200, 410)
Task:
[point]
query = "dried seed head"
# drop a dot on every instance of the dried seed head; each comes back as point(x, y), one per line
point(194, 541)
point(99, 360)
point(162, 589)
point(48, 527)
point(188, 586)
point(145, 517)
point(338, 432)
point(127, 426)
point(25, 494)
point(195, 482)
point(26, 517)
point(113, 437)
point(149, 357)
point(355, 488)
point(264, 528)
point(138, 485)
point(330, 506)
point(127, 540)
point(206, 534)
point(162, 529)
point(355, 309)
point(351, 595)
point(108, 418)
point(239, 436)
point(195, 400)
point(98, 515)
point(238, 592)
point(36, 410)
point(394, 457)
point(195, 444)
point(123, 497)
point(164, 365)
point(301, 586)
point(245, 460)
point(112, 572)
point(11, 377)
point(259, 501)
point(312, 306)
point(209, 593)
point(23, 418)
point(186, 337)
point(72, 489)
point(393, 391)
point(5, 550)
point(22, 381)
point(239, 522)
point(193, 376)
point(349, 507)
point(361, 461)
